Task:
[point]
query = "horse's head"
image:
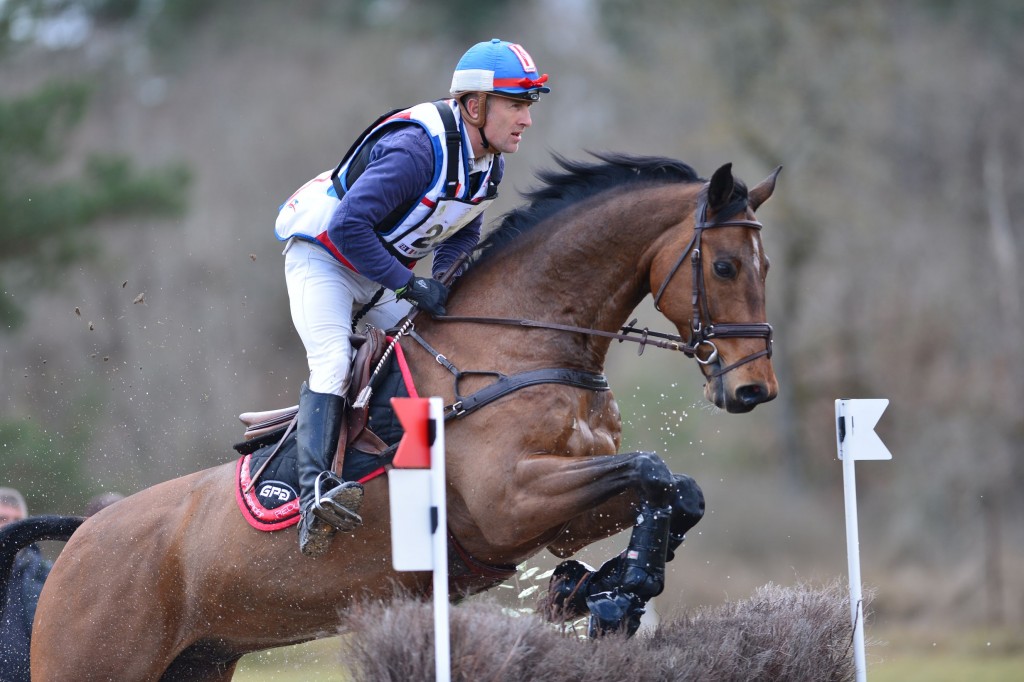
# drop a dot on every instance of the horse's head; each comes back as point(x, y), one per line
point(718, 302)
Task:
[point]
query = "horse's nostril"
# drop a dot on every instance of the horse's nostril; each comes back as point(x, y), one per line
point(751, 394)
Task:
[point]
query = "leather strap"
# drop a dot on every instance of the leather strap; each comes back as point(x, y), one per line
point(506, 384)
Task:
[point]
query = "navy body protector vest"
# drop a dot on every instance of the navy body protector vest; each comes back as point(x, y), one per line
point(453, 140)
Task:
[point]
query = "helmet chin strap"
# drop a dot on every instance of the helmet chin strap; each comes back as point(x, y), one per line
point(480, 119)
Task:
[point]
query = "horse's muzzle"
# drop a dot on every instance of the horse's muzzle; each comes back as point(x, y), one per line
point(740, 400)
point(749, 396)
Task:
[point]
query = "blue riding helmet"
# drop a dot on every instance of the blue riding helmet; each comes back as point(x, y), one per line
point(499, 68)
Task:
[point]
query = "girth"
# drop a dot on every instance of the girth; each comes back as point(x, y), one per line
point(505, 384)
point(509, 383)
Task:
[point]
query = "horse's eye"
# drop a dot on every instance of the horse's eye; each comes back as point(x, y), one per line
point(725, 269)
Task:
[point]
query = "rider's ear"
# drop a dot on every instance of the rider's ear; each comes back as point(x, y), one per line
point(760, 192)
point(474, 108)
point(720, 190)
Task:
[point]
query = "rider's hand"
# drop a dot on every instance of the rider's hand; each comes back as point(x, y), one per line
point(426, 294)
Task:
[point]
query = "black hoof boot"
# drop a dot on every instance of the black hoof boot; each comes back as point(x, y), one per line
point(612, 612)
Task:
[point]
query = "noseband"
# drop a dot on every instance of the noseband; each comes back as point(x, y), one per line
point(701, 334)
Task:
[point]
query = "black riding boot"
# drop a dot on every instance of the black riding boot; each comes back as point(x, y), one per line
point(327, 504)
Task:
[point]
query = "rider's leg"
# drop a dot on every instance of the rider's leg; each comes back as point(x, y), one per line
point(327, 503)
point(321, 294)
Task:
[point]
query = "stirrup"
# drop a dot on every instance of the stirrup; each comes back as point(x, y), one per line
point(339, 504)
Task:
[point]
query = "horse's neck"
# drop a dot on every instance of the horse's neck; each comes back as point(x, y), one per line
point(590, 271)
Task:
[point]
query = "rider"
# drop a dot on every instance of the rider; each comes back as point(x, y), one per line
point(355, 232)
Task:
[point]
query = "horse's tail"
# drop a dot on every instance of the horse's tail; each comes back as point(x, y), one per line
point(19, 534)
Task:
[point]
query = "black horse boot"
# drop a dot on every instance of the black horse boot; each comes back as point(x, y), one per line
point(326, 503)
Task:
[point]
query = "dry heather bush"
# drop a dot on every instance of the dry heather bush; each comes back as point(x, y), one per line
point(778, 634)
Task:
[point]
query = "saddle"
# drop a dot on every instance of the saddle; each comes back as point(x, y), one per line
point(267, 486)
point(263, 428)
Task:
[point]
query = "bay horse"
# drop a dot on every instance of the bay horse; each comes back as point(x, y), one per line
point(172, 584)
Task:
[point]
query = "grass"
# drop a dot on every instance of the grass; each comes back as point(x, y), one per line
point(915, 656)
point(318, 661)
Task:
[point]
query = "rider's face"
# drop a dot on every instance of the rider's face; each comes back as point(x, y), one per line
point(506, 121)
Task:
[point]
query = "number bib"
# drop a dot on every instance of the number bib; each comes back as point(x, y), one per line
point(447, 218)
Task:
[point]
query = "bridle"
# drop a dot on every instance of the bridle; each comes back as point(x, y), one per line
point(700, 334)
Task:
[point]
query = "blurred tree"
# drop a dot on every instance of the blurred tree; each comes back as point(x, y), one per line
point(44, 217)
point(44, 467)
point(48, 200)
point(44, 210)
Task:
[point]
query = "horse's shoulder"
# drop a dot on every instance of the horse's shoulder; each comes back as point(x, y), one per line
point(579, 423)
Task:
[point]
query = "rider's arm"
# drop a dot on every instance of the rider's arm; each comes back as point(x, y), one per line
point(400, 169)
point(452, 248)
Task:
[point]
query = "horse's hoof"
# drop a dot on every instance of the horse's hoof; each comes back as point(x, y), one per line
point(614, 612)
point(568, 590)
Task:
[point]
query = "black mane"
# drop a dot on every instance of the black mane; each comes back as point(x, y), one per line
point(578, 180)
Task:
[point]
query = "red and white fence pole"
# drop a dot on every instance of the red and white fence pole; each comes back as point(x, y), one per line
point(419, 519)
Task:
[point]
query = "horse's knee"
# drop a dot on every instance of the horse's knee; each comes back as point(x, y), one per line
point(654, 478)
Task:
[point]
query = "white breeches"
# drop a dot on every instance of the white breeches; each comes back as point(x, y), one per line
point(323, 294)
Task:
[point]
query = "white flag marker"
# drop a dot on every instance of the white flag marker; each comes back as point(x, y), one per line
point(856, 439)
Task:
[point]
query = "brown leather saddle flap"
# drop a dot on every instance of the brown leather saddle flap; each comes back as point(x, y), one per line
point(368, 356)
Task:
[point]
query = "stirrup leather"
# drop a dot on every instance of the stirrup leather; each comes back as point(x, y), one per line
point(339, 503)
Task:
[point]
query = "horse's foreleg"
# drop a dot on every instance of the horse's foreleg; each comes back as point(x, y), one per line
point(569, 487)
point(687, 511)
point(615, 594)
point(617, 514)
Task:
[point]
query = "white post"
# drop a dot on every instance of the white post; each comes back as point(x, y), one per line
point(442, 635)
point(853, 559)
point(856, 439)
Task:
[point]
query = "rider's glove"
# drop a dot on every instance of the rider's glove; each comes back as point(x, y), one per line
point(426, 294)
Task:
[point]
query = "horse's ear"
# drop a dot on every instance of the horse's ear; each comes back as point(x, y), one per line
point(720, 190)
point(760, 193)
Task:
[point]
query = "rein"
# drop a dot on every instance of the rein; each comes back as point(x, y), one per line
point(701, 335)
point(671, 342)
